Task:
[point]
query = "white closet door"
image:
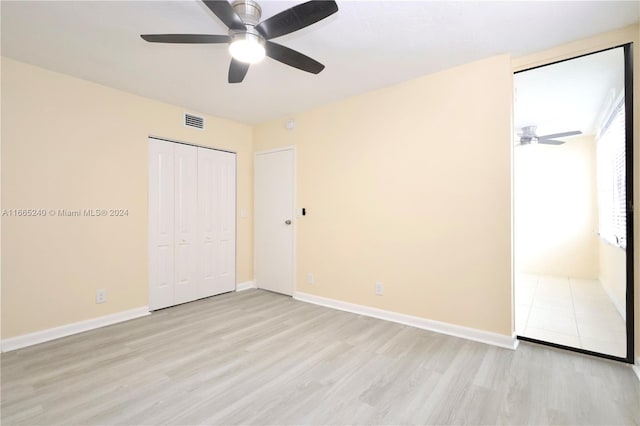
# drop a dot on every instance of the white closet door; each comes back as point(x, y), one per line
point(226, 190)
point(208, 256)
point(217, 221)
point(161, 223)
point(186, 205)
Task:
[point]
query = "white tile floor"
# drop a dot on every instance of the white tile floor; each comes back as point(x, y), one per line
point(569, 311)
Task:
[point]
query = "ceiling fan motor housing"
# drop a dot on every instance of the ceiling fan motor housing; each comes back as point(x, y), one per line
point(250, 13)
point(247, 44)
point(526, 140)
point(248, 10)
point(528, 135)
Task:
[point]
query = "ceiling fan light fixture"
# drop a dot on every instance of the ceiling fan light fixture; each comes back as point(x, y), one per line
point(247, 36)
point(247, 48)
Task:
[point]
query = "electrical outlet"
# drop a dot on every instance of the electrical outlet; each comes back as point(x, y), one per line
point(310, 278)
point(101, 295)
point(379, 288)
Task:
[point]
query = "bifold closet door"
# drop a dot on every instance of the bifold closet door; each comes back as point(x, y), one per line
point(186, 223)
point(161, 224)
point(173, 223)
point(217, 221)
point(192, 223)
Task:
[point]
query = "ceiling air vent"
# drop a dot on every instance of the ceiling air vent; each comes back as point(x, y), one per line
point(194, 121)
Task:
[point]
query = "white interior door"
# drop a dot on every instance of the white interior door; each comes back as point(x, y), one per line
point(217, 221)
point(161, 224)
point(186, 205)
point(274, 220)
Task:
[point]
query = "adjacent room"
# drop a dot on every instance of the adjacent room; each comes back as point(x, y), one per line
point(570, 205)
point(319, 213)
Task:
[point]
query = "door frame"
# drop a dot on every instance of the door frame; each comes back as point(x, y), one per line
point(294, 215)
point(629, 164)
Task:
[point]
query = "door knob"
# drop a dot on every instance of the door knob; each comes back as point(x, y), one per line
point(287, 222)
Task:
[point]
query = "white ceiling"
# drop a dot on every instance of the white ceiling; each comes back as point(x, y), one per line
point(366, 45)
point(570, 95)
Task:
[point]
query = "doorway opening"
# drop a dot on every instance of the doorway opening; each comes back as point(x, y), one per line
point(573, 204)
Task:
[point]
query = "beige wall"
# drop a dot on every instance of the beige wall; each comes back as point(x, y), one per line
point(72, 144)
point(409, 185)
point(555, 209)
point(603, 41)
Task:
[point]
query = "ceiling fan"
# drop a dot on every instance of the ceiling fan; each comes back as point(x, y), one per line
point(528, 136)
point(249, 39)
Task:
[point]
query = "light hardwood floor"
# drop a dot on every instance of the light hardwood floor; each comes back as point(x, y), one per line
point(259, 358)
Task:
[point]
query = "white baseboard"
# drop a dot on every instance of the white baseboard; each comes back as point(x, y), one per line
point(30, 339)
point(247, 285)
point(636, 367)
point(509, 342)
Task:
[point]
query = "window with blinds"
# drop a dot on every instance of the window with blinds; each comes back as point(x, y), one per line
point(611, 178)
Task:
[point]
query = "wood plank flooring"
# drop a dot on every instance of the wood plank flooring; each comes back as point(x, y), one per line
point(255, 357)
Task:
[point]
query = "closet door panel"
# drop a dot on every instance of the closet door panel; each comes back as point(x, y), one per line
point(161, 224)
point(186, 204)
point(207, 219)
point(226, 236)
point(216, 198)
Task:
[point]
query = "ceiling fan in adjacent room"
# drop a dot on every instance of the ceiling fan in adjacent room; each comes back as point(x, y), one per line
point(249, 39)
point(528, 136)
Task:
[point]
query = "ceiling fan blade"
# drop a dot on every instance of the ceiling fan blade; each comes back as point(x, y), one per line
point(292, 58)
point(549, 142)
point(223, 10)
point(237, 71)
point(296, 18)
point(185, 38)
point(560, 135)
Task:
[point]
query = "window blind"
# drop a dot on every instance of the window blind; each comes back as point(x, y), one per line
point(611, 178)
